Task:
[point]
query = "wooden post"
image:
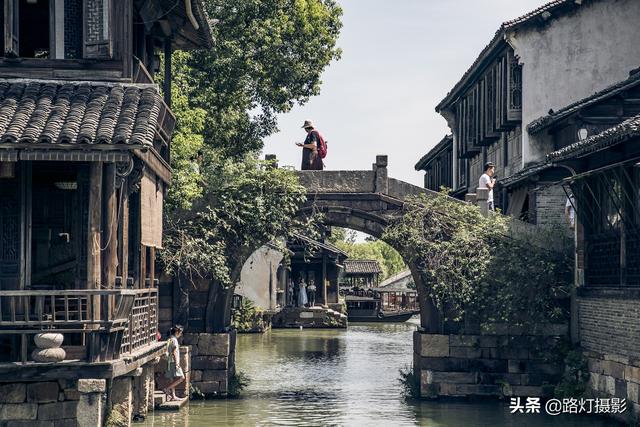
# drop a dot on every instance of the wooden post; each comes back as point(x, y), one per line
point(324, 280)
point(95, 216)
point(123, 237)
point(93, 251)
point(109, 227)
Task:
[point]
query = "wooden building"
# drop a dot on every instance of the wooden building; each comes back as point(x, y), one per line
point(361, 273)
point(599, 143)
point(492, 110)
point(320, 261)
point(438, 165)
point(84, 168)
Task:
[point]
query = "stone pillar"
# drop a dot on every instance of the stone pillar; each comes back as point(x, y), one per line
point(91, 404)
point(143, 387)
point(182, 390)
point(213, 362)
point(381, 184)
point(121, 398)
point(272, 158)
point(482, 195)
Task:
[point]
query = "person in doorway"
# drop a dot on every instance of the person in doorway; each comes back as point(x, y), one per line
point(174, 373)
point(302, 293)
point(311, 159)
point(569, 211)
point(488, 181)
point(291, 300)
point(311, 293)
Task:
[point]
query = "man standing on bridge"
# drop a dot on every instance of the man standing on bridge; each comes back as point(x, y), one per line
point(312, 148)
point(487, 181)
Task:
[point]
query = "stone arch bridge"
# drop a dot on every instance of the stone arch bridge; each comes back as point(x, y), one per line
point(366, 201)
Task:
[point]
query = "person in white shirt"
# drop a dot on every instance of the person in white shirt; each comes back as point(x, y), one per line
point(487, 181)
point(570, 212)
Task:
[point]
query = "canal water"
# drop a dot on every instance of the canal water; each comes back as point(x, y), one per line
point(341, 377)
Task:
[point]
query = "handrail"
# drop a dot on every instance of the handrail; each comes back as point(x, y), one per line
point(71, 292)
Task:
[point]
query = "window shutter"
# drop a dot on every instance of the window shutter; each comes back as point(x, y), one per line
point(97, 29)
point(11, 28)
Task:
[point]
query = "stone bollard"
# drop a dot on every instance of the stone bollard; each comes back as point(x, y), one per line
point(482, 195)
point(48, 347)
point(91, 405)
point(381, 184)
point(272, 158)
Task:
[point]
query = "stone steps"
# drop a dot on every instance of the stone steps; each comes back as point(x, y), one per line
point(161, 403)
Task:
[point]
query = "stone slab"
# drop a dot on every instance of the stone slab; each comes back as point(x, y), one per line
point(209, 362)
point(631, 373)
point(213, 345)
point(221, 375)
point(45, 392)
point(57, 411)
point(92, 386)
point(18, 411)
point(13, 393)
point(432, 345)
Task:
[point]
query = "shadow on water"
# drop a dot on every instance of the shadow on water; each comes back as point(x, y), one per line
point(337, 377)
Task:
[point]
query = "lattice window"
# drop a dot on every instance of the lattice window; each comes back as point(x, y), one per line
point(515, 85)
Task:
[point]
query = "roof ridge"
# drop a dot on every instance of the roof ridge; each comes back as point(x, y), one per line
point(542, 122)
point(22, 80)
point(498, 36)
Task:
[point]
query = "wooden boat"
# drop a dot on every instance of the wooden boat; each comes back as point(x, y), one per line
point(368, 309)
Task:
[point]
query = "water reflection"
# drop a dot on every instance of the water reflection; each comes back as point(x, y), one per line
point(337, 377)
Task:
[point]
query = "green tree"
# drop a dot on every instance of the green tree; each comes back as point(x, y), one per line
point(389, 259)
point(267, 56)
point(474, 265)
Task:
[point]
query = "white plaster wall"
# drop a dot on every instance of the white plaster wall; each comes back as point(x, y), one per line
point(257, 272)
point(573, 57)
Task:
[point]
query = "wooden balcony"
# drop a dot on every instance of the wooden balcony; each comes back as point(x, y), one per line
point(98, 325)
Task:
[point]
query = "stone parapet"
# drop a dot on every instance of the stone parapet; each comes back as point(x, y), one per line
point(212, 362)
point(493, 363)
point(46, 403)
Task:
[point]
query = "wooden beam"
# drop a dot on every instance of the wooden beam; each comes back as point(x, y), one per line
point(123, 237)
point(109, 227)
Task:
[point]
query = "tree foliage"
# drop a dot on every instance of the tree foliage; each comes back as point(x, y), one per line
point(389, 259)
point(243, 205)
point(473, 265)
point(267, 56)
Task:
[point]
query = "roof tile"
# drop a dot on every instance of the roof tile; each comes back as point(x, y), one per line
point(362, 266)
point(33, 111)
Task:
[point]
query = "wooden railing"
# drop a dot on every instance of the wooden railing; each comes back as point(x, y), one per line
point(111, 322)
point(142, 325)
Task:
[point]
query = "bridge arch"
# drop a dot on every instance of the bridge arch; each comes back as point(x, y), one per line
point(365, 201)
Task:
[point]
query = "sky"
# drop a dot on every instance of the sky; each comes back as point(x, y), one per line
point(399, 59)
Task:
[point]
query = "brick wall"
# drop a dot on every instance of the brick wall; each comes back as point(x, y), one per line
point(610, 338)
point(610, 325)
point(550, 203)
point(501, 360)
point(39, 403)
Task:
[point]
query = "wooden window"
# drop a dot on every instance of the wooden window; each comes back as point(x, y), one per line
point(11, 27)
point(97, 30)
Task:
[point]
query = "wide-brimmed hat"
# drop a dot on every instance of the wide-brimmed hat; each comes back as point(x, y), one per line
point(307, 124)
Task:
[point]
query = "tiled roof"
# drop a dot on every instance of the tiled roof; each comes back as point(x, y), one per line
point(397, 280)
point(630, 128)
point(499, 37)
point(35, 111)
point(322, 245)
point(424, 160)
point(545, 121)
point(362, 266)
point(525, 173)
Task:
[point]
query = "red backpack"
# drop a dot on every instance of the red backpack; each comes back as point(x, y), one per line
point(322, 146)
